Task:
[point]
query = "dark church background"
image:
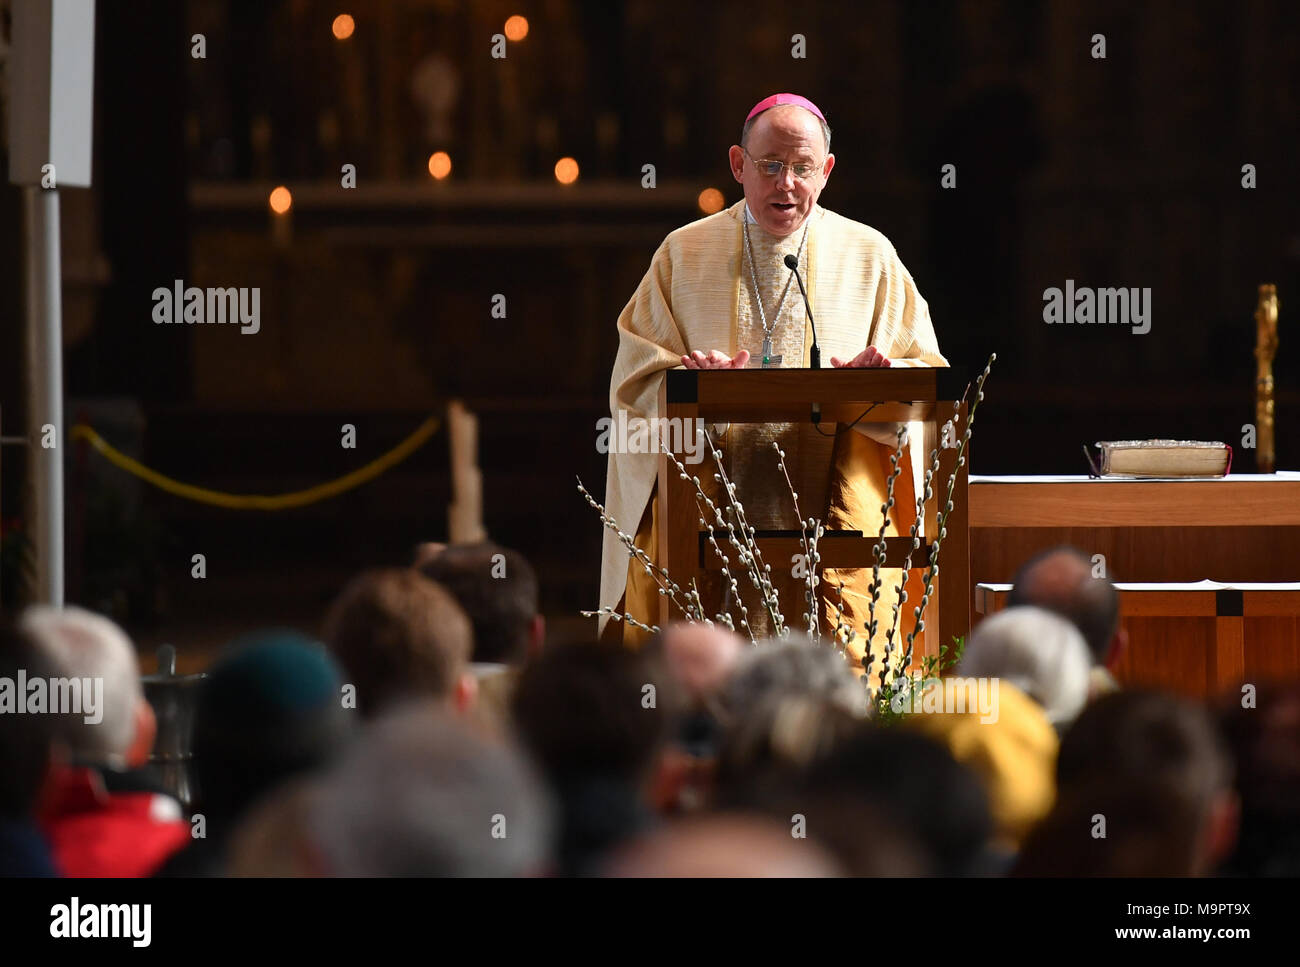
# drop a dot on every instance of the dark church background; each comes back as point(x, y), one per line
point(376, 301)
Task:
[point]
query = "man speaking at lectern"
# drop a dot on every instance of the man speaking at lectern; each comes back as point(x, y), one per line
point(719, 295)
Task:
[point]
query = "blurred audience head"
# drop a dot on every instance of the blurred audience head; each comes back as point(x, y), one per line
point(586, 709)
point(422, 794)
point(933, 810)
point(597, 720)
point(29, 744)
point(785, 708)
point(400, 636)
point(701, 658)
point(723, 845)
point(798, 666)
point(1145, 789)
point(270, 708)
point(1061, 580)
point(273, 839)
point(773, 742)
point(497, 589)
point(79, 644)
point(1262, 727)
point(1038, 652)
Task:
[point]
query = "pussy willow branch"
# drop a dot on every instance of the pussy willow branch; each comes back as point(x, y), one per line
point(913, 546)
point(693, 595)
point(769, 595)
point(728, 577)
point(942, 521)
point(844, 632)
point(746, 556)
point(814, 569)
point(809, 548)
point(838, 633)
point(771, 598)
point(620, 616)
point(660, 575)
point(698, 496)
point(878, 549)
point(896, 463)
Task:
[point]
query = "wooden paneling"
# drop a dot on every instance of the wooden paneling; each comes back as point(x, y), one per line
point(1172, 653)
point(1228, 654)
point(1257, 553)
point(1176, 639)
point(1227, 554)
point(1272, 647)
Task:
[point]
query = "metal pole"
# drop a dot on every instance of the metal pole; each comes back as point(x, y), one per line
point(45, 372)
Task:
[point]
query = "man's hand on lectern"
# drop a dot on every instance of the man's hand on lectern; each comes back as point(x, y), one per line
point(715, 360)
point(869, 357)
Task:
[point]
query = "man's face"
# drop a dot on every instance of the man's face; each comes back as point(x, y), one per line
point(791, 134)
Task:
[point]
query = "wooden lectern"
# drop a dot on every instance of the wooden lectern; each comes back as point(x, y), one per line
point(842, 396)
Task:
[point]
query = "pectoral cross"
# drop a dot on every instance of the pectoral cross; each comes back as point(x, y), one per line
point(769, 361)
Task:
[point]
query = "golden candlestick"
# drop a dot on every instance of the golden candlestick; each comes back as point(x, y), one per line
point(1265, 350)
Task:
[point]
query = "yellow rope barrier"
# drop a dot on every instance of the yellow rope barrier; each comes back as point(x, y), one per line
point(298, 498)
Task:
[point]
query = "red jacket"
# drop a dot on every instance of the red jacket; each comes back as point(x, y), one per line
point(104, 823)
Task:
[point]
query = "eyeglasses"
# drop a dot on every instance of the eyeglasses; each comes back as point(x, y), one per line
point(801, 170)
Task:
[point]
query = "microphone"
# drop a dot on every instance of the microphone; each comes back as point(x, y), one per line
point(814, 354)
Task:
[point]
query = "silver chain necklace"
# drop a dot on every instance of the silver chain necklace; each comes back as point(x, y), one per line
point(768, 359)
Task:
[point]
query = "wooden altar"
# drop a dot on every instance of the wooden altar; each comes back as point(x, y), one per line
point(1243, 527)
point(1161, 537)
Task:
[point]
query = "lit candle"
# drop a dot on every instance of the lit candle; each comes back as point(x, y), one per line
point(281, 204)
